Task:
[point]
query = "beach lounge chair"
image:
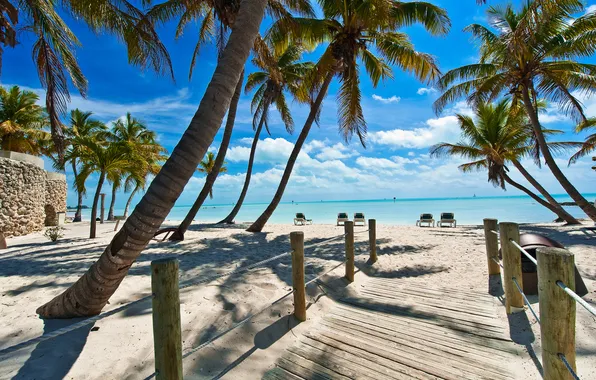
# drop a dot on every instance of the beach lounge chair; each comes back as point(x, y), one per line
point(342, 217)
point(301, 220)
point(447, 218)
point(426, 219)
point(359, 218)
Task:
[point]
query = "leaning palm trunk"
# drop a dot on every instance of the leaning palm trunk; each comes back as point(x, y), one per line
point(93, 228)
point(258, 225)
point(207, 190)
point(112, 203)
point(128, 202)
point(92, 291)
point(530, 193)
point(230, 218)
point(563, 215)
point(582, 202)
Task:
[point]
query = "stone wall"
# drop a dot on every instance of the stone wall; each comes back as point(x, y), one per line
point(27, 192)
point(22, 197)
point(55, 197)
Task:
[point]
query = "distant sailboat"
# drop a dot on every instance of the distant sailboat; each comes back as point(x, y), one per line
point(474, 195)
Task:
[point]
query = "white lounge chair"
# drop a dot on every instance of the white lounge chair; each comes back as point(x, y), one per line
point(447, 218)
point(342, 217)
point(300, 220)
point(359, 218)
point(426, 219)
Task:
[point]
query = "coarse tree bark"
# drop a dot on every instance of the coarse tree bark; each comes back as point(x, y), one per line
point(112, 202)
point(77, 217)
point(530, 193)
point(582, 202)
point(562, 213)
point(92, 291)
point(258, 224)
point(93, 228)
point(230, 218)
point(219, 161)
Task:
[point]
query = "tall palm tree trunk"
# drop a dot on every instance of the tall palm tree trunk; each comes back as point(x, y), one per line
point(230, 218)
point(207, 189)
point(530, 193)
point(563, 215)
point(112, 202)
point(93, 228)
point(92, 291)
point(582, 202)
point(258, 225)
point(132, 194)
point(77, 217)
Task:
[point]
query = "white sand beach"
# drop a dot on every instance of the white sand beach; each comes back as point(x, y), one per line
point(33, 270)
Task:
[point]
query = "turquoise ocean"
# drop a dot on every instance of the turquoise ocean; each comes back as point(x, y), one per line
point(519, 209)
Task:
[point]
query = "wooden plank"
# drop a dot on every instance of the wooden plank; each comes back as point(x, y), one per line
point(372, 366)
point(453, 322)
point(455, 359)
point(434, 368)
point(307, 369)
point(279, 373)
point(447, 299)
point(421, 330)
point(421, 300)
point(380, 360)
point(329, 362)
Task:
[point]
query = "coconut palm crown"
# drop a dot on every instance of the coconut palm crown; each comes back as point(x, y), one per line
point(366, 32)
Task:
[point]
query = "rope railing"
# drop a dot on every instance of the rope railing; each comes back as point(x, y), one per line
point(577, 298)
point(173, 276)
point(522, 250)
point(568, 366)
point(556, 266)
point(525, 298)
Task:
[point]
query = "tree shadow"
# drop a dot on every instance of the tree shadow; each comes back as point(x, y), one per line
point(53, 358)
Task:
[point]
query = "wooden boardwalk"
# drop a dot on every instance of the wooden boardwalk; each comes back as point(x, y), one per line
point(389, 331)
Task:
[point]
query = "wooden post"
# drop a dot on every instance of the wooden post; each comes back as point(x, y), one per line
point(116, 226)
point(492, 245)
point(349, 229)
point(372, 239)
point(2, 241)
point(167, 336)
point(103, 201)
point(557, 311)
point(514, 301)
point(297, 244)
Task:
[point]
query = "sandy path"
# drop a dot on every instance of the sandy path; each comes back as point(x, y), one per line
point(33, 270)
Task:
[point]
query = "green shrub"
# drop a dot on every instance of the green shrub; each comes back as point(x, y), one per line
point(54, 233)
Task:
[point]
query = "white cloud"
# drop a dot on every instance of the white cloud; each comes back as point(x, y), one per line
point(411, 154)
point(393, 99)
point(438, 130)
point(590, 9)
point(314, 145)
point(426, 90)
point(336, 152)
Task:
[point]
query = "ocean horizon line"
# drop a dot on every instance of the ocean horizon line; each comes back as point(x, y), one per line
point(522, 196)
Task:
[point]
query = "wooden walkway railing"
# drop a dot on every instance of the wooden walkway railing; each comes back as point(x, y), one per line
point(556, 296)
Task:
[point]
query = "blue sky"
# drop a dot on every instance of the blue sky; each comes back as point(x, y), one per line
point(400, 119)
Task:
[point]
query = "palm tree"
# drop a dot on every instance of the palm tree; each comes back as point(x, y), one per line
point(104, 158)
point(217, 17)
point(21, 122)
point(54, 48)
point(137, 179)
point(353, 28)
point(142, 145)
point(92, 291)
point(81, 125)
point(207, 166)
point(500, 135)
point(280, 72)
point(531, 54)
point(589, 144)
